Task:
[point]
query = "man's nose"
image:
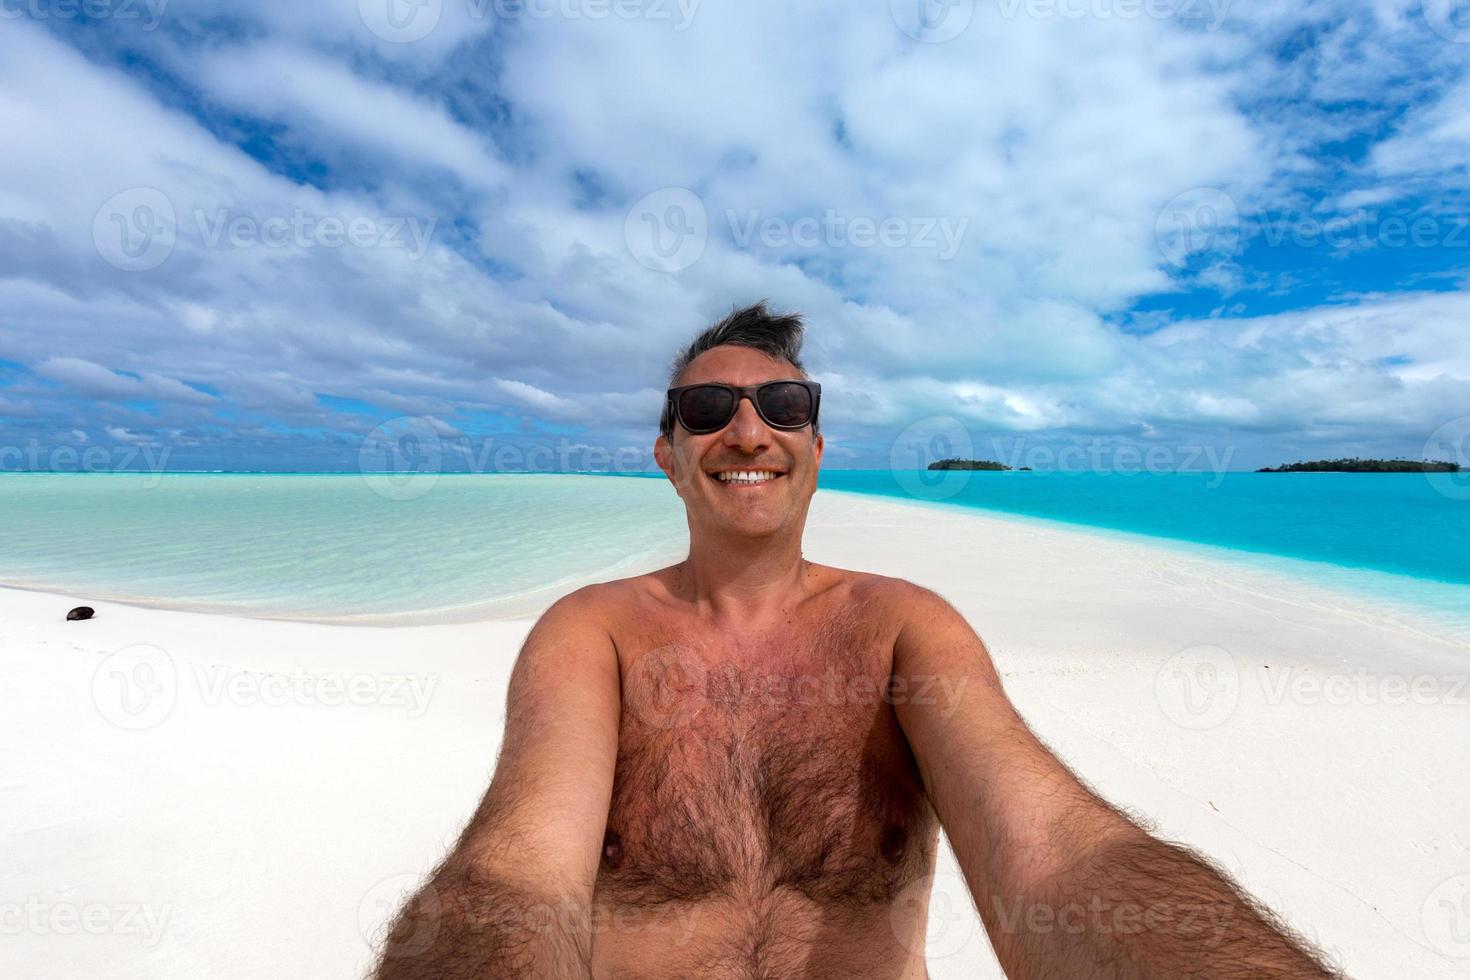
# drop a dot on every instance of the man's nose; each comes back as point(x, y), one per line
point(746, 431)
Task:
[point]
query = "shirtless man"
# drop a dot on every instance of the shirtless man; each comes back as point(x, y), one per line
point(738, 766)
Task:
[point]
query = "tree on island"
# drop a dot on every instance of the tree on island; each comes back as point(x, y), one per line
point(968, 464)
point(1356, 465)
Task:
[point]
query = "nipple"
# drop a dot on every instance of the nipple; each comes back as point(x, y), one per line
point(612, 850)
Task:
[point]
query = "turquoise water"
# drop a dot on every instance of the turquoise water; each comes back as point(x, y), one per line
point(353, 546)
point(314, 545)
point(1391, 522)
point(1387, 541)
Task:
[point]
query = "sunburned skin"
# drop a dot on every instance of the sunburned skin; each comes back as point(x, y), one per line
point(767, 816)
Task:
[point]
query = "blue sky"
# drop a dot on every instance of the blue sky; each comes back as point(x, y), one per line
point(291, 236)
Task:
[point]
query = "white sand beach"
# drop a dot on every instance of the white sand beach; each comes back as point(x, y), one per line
point(192, 795)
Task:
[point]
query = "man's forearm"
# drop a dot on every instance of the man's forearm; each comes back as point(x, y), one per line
point(1069, 886)
point(469, 924)
point(1138, 909)
point(1084, 891)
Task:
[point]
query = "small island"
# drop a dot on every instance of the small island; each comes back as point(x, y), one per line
point(968, 464)
point(1356, 465)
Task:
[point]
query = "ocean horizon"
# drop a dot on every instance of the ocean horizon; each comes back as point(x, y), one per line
point(377, 546)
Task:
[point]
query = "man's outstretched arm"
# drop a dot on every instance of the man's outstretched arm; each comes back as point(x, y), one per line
point(514, 898)
point(1067, 885)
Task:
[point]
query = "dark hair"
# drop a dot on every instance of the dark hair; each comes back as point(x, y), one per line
point(777, 335)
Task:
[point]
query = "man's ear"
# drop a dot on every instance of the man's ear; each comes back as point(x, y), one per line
point(663, 455)
point(819, 450)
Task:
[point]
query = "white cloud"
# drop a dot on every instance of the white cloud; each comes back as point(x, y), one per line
point(1053, 143)
point(1433, 140)
point(325, 102)
point(95, 381)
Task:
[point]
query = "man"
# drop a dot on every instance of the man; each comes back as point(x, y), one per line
point(738, 766)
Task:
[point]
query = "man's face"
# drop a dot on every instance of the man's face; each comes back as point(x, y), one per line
point(746, 443)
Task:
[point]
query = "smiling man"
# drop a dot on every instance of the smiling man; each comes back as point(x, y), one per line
point(738, 766)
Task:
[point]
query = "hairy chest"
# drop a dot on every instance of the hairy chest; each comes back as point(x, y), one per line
point(749, 771)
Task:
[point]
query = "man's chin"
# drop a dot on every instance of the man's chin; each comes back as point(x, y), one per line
point(749, 524)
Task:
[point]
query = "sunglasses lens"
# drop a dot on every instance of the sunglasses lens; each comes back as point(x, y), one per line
point(786, 404)
point(706, 407)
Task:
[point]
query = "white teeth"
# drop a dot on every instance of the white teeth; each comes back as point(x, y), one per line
point(746, 476)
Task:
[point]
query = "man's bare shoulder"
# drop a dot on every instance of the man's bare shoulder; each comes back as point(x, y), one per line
point(908, 608)
point(885, 602)
point(610, 607)
point(617, 594)
point(895, 596)
point(581, 617)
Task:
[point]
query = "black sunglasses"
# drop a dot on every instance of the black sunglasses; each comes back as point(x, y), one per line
point(709, 407)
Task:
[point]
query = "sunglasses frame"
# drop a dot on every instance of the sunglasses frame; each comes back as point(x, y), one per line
point(671, 404)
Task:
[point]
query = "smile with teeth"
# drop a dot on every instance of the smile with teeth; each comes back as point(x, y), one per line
point(746, 477)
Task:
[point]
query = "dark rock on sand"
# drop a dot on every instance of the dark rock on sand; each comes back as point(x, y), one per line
point(81, 612)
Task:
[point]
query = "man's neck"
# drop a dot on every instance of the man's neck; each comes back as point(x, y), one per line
point(743, 582)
